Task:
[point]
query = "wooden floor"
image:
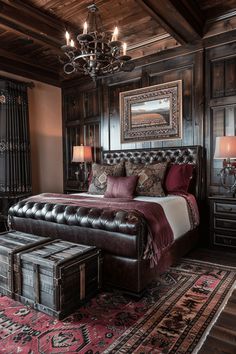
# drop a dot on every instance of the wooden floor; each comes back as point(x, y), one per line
point(222, 337)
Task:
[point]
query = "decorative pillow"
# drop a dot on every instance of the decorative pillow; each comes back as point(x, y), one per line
point(150, 178)
point(100, 173)
point(121, 187)
point(178, 178)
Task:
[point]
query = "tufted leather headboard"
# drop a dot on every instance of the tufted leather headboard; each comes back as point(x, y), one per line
point(176, 155)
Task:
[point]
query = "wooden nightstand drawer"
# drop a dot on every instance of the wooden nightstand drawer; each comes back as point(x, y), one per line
point(223, 222)
point(224, 208)
point(220, 223)
point(223, 240)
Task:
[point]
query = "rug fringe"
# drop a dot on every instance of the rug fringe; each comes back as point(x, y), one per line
point(215, 318)
point(190, 260)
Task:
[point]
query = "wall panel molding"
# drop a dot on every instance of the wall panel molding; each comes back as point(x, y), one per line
point(220, 112)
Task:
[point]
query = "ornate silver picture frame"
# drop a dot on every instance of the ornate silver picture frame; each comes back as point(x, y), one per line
point(152, 113)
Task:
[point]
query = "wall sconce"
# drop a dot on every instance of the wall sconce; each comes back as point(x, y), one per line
point(82, 154)
point(225, 149)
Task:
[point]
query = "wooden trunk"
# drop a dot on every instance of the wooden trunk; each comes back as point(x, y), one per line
point(57, 277)
point(11, 243)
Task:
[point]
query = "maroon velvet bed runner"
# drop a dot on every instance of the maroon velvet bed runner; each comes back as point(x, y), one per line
point(160, 234)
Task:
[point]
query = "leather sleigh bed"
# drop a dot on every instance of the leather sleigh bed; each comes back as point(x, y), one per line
point(122, 236)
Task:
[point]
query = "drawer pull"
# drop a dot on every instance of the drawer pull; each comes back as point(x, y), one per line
point(227, 242)
point(227, 209)
point(225, 224)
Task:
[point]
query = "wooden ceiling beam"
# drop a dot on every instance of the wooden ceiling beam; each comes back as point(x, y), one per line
point(182, 19)
point(29, 21)
point(26, 71)
point(16, 64)
point(8, 26)
point(21, 59)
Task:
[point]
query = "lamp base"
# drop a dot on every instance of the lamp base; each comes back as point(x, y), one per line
point(228, 194)
point(82, 176)
point(228, 179)
point(79, 176)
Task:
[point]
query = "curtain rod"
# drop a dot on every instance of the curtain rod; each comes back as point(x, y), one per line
point(29, 84)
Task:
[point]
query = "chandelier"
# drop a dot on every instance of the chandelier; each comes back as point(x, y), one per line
point(97, 53)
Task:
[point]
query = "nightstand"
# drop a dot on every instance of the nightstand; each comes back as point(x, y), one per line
point(223, 222)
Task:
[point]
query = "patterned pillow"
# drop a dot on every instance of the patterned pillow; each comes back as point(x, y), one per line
point(100, 172)
point(150, 178)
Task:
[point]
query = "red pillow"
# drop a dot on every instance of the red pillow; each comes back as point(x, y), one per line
point(121, 187)
point(178, 178)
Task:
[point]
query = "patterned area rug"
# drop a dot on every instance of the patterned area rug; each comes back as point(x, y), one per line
point(174, 316)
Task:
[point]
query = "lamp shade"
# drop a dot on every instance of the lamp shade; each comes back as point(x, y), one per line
point(82, 154)
point(225, 147)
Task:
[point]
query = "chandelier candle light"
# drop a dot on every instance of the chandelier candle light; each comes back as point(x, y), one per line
point(97, 53)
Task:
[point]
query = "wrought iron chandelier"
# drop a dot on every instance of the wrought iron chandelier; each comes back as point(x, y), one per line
point(97, 53)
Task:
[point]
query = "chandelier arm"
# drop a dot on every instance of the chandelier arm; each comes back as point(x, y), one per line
point(110, 69)
point(83, 56)
point(70, 55)
point(69, 68)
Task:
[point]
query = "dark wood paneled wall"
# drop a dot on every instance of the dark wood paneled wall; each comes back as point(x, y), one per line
point(184, 68)
point(220, 82)
point(91, 112)
point(81, 125)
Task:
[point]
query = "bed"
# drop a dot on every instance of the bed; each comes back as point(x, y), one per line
point(121, 232)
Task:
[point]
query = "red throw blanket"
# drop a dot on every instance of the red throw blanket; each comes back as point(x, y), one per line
point(160, 234)
point(193, 211)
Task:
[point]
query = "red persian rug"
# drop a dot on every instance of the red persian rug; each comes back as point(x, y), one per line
point(174, 316)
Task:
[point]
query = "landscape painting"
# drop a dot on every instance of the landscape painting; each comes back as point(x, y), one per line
point(151, 113)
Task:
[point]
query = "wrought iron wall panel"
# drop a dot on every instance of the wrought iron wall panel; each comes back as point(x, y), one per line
point(15, 169)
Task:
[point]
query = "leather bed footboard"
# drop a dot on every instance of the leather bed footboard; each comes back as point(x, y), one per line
point(122, 238)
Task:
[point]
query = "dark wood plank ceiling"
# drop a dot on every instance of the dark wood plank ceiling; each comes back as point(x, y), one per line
point(32, 31)
point(216, 8)
point(135, 25)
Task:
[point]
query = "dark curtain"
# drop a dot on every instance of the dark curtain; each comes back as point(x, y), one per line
point(15, 169)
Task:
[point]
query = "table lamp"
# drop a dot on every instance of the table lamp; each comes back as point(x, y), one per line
point(225, 148)
point(82, 154)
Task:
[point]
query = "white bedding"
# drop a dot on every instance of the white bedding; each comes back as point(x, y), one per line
point(175, 208)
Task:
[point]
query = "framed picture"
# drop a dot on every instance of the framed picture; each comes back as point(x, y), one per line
point(152, 113)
